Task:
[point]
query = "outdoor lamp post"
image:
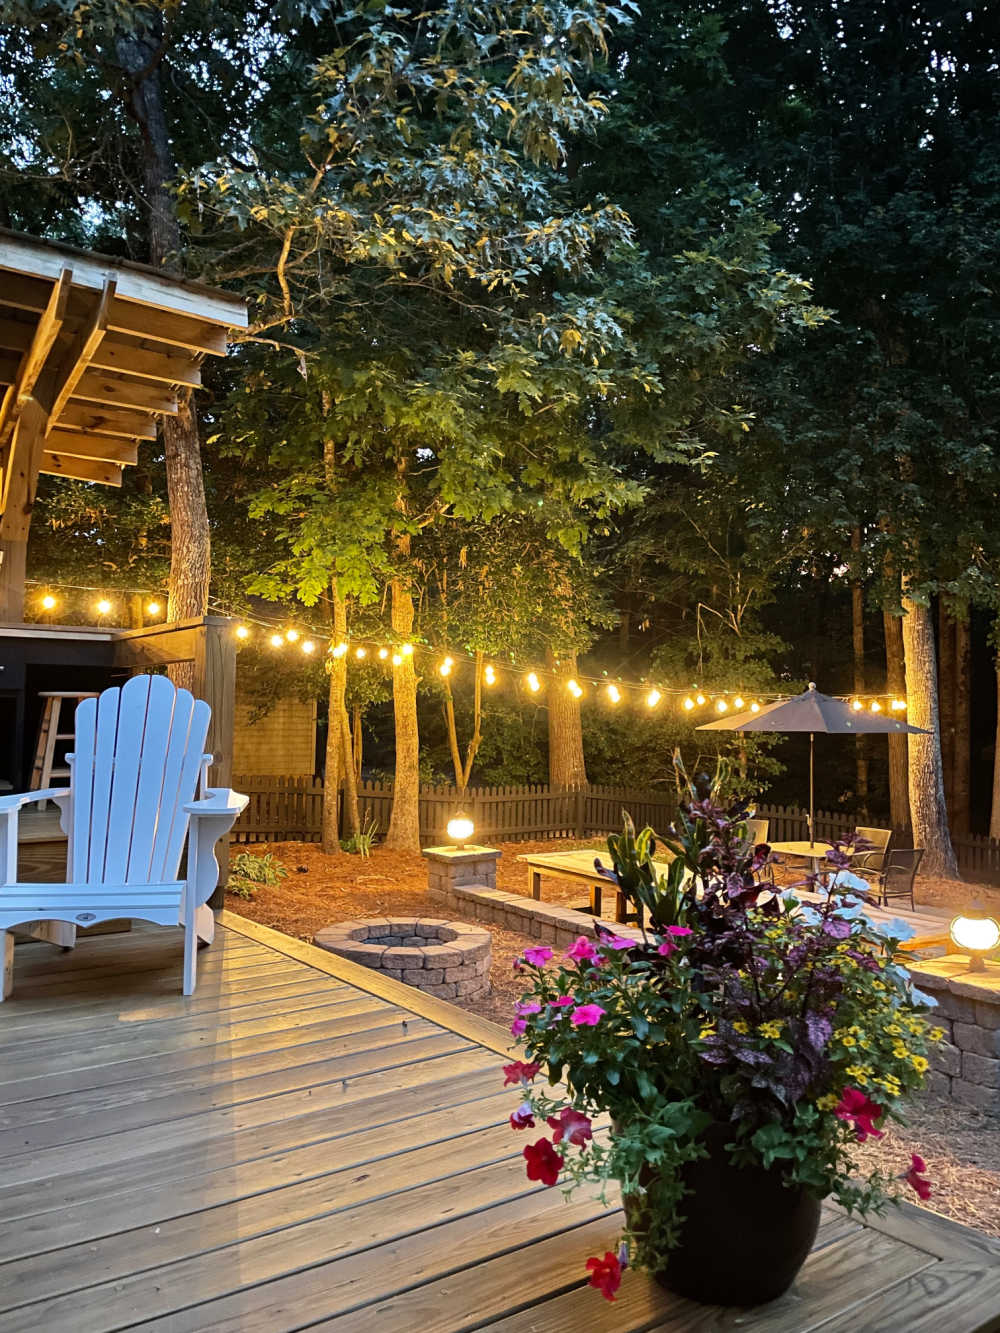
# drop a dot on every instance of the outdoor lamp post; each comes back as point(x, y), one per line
point(460, 829)
point(975, 935)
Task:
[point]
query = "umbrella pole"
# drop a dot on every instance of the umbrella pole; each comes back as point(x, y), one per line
point(812, 804)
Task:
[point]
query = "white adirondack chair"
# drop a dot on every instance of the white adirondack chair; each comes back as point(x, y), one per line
point(137, 763)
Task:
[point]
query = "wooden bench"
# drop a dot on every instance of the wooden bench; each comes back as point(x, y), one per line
point(578, 866)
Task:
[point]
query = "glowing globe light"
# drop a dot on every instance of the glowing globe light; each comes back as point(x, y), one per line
point(446, 666)
point(699, 699)
point(574, 689)
point(48, 602)
point(103, 607)
point(460, 829)
point(383, 653)
point(308, 646)
point(876, 706)
point(738, 702)
point(340, 650)
point(242, 632)
point(688, 704)
point(397, 659)
point(532, 682)
point(614, 694)
point(489, 674)
point(277, 641)
point(857, 705)
point(898, 705)
point(755, 707)
point(976, 936)
point(721, 706)
point(292, 635)
point(407, 650)
point(153, 609)
point(653, 698)
point(361, 653)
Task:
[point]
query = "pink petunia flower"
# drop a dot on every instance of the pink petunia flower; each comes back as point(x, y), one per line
point(520, 1072)
point(667, 948)
point(573, 1126)
point(860, 1111)
point(679, 930)
point(538, 955)
point(561, 1001)
point(605, 1274)
point(519, 1027)
point(617, 942)
point(544, 1163)
point(916, 1177)
point(527, 1007)
point(587, 1015)
point(581, 950)
point(522, 1118)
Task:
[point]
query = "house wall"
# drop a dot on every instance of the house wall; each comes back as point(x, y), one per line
point(282, 742)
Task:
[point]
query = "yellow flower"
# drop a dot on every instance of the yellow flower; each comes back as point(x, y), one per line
point(740, 1027)
point(707, 1031)
point(900, 1052)
point(859, 1073)
point(827, 1102)
point(894, 1030)
point(878, 985)
point(920, 1063)
point(771, 1029)
point(848, 1042)
point(936, 1034)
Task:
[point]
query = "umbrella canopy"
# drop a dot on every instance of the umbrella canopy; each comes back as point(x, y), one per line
point(814, 712)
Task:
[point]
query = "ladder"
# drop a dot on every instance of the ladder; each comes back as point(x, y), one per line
point(43, 770)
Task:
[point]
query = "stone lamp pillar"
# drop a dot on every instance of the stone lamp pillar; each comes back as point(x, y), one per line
point(451, 867)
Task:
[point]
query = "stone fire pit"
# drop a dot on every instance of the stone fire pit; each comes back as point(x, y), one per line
point(444, 958)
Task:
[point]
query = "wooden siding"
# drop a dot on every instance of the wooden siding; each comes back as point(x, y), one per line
point(282, 743)
point(305, 1144)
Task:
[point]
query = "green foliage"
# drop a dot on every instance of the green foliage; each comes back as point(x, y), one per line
point(792, 1028)
point(248, 871)
point(361, 843)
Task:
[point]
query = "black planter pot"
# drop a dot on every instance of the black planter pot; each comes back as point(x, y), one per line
point(745, 1234)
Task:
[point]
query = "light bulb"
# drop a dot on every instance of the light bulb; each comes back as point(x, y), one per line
point(876, 706)
point(277, 641)
point(755, 707)
point(383, 653)
point(407, 650)
point(292, 635)
point(460, 829)
point(897, 705)
point(308, 646)
point(340, 650)
point(489, 674)
point(242, 632)
point(103, 607)
point(361, 653)
point(721, 706)
point(397, 660)
point(688, 704)
point(975, 934)
point(153, 609)
point(48, 602)
point(738, 702)
point(856, 705)
point(699, 699)
point(614, 694)
point(653, 698)
point(574, 689)
point(532, 682)
point(446, 666)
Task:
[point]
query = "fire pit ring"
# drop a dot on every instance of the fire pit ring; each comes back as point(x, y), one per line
point(445, 958)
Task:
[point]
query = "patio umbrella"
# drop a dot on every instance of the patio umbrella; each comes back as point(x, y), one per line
point(813, 712)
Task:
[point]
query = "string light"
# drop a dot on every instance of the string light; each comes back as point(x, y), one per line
point(407, 650)
point(738, 702)
point(699, 699)
point(153, 609)
point(614, 694)
point(532, 682)
point(755, 707)
point(48, 602)
point(876, 707)
point(242, 632)
point(489, 674)
point(397, 659)
point(383, 653)
point(292, 635)
point(897, 705)
point(688, 704)
point(574, 689)
point(721, 706)
point(857, 705)
point(103, 607)
point(277, 641)
point(653, 698)
point(340, 650)
point(308, 646)
point(446, 666)
point(361, 653)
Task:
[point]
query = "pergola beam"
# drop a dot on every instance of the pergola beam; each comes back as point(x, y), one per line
point(160, 366)
point(79, 354)
point(108, 421)
point(107, 390)
point(68, 444)
point(81, 469)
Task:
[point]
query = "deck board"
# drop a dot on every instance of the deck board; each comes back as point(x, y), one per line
point(304, 1144)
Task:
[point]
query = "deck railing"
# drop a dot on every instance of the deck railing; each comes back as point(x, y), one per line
point(291, 810)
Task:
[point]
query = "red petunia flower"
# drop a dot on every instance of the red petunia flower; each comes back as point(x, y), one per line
point(573, 1126)
point(916, 1177)
point(544, 1163)
point(520, 1072)
point(861, 1111)
point(522, 1117)
point(605, 1274)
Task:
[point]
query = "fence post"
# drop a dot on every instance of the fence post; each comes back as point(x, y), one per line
point(581, 813)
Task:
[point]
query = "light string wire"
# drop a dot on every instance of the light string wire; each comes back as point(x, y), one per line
point(280, 634)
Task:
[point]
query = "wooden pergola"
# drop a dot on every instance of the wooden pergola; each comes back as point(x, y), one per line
point(93, 350)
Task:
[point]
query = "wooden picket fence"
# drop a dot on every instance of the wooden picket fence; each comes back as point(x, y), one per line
point(291, 810)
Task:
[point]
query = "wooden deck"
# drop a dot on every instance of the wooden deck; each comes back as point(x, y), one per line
point(303, 1144)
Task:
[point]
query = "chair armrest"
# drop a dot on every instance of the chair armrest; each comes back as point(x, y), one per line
point(15, 802)
point(219, 801)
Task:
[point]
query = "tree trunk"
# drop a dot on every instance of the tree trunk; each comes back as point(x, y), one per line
point(961, 807)
point(927, 806)
point(463, 767)
point(357, 747)
point(895, 683)
point(140, 55)
point(995, 807)
point(858, 646)
point(135, 611)
point(404, 823)
point(566, 761)
point(946, 702)
point(352, 814)
point(339, 757)
point(331, 768)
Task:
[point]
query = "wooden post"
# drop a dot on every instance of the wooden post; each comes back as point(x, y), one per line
point(215, 682)
point(19, 485)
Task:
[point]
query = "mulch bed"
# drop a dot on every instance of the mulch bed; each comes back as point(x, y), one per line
point(961, 1146)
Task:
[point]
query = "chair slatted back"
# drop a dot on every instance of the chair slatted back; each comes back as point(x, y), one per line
point(757, 830)
point(873, 857)
point(137, 756)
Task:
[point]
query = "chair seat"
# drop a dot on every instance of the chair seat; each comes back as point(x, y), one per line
point(87, 904)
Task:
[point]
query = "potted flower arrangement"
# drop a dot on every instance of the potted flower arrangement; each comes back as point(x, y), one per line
point(721, 1065)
